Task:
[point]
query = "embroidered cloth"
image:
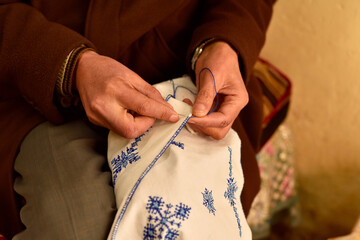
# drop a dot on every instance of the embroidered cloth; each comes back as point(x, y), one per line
point(171, 183)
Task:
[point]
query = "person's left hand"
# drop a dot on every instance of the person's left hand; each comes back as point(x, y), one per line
point(223, 61)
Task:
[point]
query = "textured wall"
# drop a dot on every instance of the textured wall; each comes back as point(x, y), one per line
point(317, 43)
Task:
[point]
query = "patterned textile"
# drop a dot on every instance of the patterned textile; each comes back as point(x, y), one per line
point(172, 183)
point(277, 191)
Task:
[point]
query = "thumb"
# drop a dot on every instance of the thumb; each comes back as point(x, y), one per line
point(207, 92)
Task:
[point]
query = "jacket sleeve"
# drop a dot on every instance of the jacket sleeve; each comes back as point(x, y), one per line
point(241, 23)
point(32, 50)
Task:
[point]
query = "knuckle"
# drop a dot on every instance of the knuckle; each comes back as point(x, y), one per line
point(245, 99)
point(206, 94)
point(96, 104)
point(112, 85)
point(143, 107)
point(153, 91)
point(218, 135)
point(224, 123)
point(129, 131)
point(164, 115)
point(93, 119)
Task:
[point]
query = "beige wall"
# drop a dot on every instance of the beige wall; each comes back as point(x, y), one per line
point(317, 43)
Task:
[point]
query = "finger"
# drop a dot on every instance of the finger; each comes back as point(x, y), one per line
point(205, 96)
point(149, 91)
point(120, 121)
point(216, 133)
point(223, 117)
point(149, 107)
point(188, 101)
point(133, 127)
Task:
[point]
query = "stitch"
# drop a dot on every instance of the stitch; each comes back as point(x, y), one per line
point(179, 144)
point(230, 192)
point(168, 97)
point(160, 221)
point(121, 162)
point(182, 211)
point(193, 93)
point(154, 204)
point(176, 88)
point(123, 210)
point(128, 157)
point(150, 232)
point(173, 86)
point(208, 201)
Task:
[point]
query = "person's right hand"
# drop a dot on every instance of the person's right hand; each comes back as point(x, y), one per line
point(109, 90)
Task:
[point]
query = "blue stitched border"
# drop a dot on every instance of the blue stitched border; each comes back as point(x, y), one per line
point(123, 210)
point(230, 192)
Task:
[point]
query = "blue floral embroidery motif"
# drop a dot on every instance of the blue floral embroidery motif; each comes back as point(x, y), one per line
point(162, 222)
point(179, 144)
point(208, 201)
point(129, 156)
point(231, 190)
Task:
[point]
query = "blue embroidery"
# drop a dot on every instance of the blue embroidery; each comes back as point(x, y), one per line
point(128, 157)
point(149, 231)
point(123, 210)
point(182, 211)
point(230, 191)
point(208, 201)
point(179, 144)
point(162, 219)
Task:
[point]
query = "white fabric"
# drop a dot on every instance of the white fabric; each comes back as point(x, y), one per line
point(174, 184)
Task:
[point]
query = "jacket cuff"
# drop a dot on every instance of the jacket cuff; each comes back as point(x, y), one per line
point(64, 92)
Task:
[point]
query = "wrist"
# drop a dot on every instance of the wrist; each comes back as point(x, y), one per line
point(81, 63)
point(199, 50)
point(66, 83)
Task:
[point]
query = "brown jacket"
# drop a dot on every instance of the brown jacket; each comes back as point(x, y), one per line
point(155, 38)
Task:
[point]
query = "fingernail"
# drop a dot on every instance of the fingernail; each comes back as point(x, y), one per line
point(174, 118)
point(199, 109)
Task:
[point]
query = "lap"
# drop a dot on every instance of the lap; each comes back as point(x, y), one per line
point(64, 179)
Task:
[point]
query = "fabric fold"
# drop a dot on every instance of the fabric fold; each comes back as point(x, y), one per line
point(172, 184)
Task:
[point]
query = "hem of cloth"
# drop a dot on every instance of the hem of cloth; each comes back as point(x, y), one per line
point(127, 202)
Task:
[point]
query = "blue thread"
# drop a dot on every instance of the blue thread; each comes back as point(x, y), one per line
point(217, 96)
point(161, 221)
point(123, 210)
point(154, 204)
point(230, 192)
point(208, 201)
point(168, 97)
point(150, 232)
point(182, 212)
point(121, 161)
point(128, 157)
point(193, 93)
point(176, 88)
point(173, 86)
point(178, 144)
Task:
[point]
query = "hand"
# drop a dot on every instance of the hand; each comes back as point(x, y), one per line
point(108, 91)
point(223, 61)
